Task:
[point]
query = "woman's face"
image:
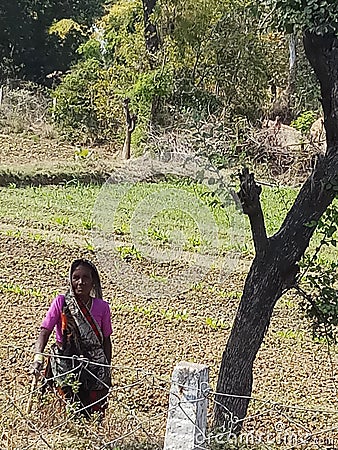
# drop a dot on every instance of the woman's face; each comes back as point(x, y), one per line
point(82, 282)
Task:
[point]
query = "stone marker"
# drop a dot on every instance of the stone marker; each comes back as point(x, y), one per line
point(187, 415)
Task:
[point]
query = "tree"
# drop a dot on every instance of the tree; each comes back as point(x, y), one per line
point(275, 266)
point(172, 59)
point(150, 30)
point(27, 48)
point(11, 36)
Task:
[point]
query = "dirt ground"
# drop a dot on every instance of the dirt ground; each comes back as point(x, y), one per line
point(28, 148)
point(295, 378)
point(28, 159)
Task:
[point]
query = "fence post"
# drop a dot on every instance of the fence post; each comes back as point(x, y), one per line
point(187, 415)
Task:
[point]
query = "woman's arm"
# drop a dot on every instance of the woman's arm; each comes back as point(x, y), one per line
point(40, 345)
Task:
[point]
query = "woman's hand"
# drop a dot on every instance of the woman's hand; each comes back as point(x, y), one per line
point(39, 348)
point(37, 363)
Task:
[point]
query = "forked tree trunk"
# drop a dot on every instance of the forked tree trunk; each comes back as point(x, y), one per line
point(274, 268)
point(130, 127)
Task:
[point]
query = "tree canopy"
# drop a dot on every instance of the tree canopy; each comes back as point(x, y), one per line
point(170, 58)
point(317, 16)
point(211, 58)
point(27, 49)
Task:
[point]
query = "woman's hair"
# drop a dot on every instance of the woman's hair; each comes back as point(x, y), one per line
point(95, 274)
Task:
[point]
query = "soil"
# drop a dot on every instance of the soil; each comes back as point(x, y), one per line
point(27, 159)
point(295, 379)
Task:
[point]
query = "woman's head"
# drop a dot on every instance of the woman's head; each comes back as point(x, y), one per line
point(84, 278)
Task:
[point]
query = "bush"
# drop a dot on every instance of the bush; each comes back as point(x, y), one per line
point(25, 107)
point(212, 61)
point(86, 102)
point(304, 121)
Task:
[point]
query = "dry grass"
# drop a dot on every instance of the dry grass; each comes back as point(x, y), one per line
point(295, 381)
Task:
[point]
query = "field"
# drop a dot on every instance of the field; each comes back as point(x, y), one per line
point(159, 319)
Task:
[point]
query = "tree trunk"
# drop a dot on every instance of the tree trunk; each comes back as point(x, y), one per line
point(150, 30)
point(274, 268)
point(130, 127)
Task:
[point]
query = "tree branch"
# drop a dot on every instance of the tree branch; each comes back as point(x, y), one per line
point(249, 196)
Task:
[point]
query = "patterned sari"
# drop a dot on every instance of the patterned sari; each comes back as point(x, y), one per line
point(80, 367)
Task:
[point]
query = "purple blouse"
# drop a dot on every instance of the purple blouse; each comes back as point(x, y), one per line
point(100, 311)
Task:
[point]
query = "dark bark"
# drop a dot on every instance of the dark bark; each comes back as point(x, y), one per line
point(322, 52)
point(275, 267)
point(150, 30)
point(249, 197)
point(130, 127)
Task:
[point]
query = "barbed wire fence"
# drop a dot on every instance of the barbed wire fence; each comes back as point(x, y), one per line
point(138, 411)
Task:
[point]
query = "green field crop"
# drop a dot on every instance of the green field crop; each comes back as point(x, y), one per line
point(67, 207)
point(160, 215)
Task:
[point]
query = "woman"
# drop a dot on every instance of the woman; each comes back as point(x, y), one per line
point(81, 356)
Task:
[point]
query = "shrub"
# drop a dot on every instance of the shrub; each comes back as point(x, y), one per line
point(25, 107)
point(304, 121)
point(86, 102)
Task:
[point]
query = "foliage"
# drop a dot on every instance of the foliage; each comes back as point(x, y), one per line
point(217, 323)
point(221, 60)
point(113, 66)
point(151, 85)
point(64, 27)
point(321, 304)
point(28, 50)
point(304, 121)
point(82, 105)
point(194, 72)
point(294, 17)
point(306, 96)
point(322, 308)
point(245, 63)
point(319, 16)
point(128, 253)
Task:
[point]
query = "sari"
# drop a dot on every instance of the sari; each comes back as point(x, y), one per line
point(80, 367)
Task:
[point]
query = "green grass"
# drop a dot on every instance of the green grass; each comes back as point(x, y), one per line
point(71, 207)
point(19, 290)
point(171, 215)
point(275, 204)
point(297, 335)
point(164, 215)
point(64, 208)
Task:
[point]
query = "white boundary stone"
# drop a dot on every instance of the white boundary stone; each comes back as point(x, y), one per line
point(187, 415)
